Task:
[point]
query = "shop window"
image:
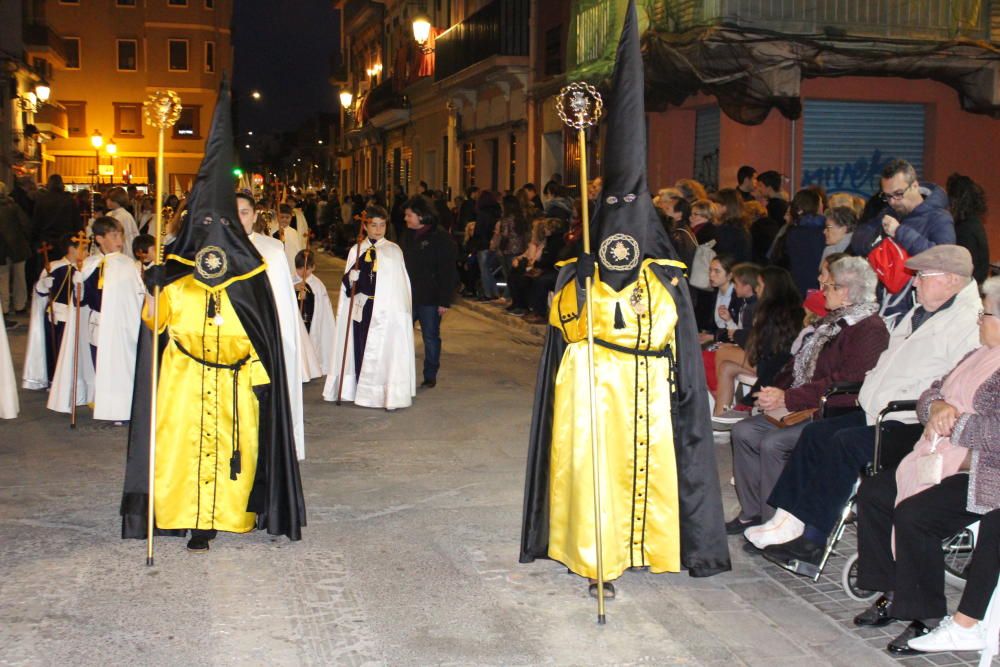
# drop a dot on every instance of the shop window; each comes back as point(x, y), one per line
point(76, 118)
point(187, 126)
point(128, 120)
point(128, 55)
point(177, 55)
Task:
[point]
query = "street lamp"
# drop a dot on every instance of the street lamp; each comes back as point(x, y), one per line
point(422, 32)
point(256, 95)
point(97, 140)
point(112, 148)
point(42, 91)
point(319, 142)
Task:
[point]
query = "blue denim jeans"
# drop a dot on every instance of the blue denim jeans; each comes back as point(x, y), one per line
point(430, 330)
point(487, 264)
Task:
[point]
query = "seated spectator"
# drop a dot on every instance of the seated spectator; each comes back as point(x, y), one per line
point(931, 339)
point(843, 347)
point(720, 277)
point(903, 514)
point(557, 202)
point(968, 207)
point(837, 231)
point(732, 233)
point(777, 320)
point(738, 318)
point(488, 213)
point(511, 236)
point(801, 247)
point(533, 273)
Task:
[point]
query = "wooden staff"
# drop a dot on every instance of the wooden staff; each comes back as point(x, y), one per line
point(81, 241)
point(362, 220)
point(162, 109)
point(585, 106)
point(44, 249)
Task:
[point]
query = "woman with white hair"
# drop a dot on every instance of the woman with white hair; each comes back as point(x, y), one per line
point(903, 514)
point(844, 345)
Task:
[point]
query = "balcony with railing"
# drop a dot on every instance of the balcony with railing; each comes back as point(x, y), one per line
point(921, 20)
point(41, 40)
point(501, 28)
point(596, 23)
point(384, 106)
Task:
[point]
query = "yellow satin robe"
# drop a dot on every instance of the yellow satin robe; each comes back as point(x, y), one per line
point(195, 419)
point(639, 501)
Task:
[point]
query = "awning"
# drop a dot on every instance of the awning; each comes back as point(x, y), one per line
point(752, 72)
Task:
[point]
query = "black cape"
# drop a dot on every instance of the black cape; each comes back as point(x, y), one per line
point(704, 547)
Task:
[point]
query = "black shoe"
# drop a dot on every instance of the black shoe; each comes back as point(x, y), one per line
point(736, 527)
point(198, 544)
point(877, 615)
point(901, 644)
point(429, 384)
point(798, 549)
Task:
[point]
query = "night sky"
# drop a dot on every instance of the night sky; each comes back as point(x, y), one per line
point(282, 48)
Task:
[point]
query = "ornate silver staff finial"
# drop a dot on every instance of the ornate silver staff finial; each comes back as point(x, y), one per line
point(162, 109)
point(579, 105)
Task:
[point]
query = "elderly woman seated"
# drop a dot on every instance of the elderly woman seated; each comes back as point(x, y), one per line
point(843, 346)
point(949, 480)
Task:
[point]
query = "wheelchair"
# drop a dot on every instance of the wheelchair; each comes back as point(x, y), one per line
point(893, 441)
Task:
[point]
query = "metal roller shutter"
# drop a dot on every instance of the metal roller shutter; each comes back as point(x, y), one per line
point(846, 144)
point(706, 147)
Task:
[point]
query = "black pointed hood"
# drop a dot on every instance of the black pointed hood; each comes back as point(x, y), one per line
point(627, 227)
point(212, 244)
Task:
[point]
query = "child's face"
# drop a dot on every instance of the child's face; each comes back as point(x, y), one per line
point(73, 254)
point(110, 242)
point(142, 254)
point(304, 272)
point(743, 290)
point(375, 228)
point(284, 219)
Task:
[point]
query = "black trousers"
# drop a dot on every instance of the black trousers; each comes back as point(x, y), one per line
point(819, 475)
point(921, 522)
point(831, 453)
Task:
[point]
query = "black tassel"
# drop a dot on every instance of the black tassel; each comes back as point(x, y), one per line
point(211, 306)
point(619, 318)
point(235, 465)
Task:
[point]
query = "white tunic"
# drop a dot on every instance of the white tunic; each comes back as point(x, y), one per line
point(9, 405)
point(61, 392)
point(324, 327)
point(36, 369)
point(388, 369)
point(288, 319)
point(115, 332)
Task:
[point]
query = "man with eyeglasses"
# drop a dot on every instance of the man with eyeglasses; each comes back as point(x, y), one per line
point(915, 216)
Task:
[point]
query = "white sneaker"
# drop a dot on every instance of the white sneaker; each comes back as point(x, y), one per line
point(785, 530)
point(950, 636)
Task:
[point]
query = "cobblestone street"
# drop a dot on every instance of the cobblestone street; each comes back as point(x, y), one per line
point(409, 556)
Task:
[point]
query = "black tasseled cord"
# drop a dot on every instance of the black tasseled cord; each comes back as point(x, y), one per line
point(619, 318)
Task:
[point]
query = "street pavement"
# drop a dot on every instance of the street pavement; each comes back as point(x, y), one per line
point(409, 556)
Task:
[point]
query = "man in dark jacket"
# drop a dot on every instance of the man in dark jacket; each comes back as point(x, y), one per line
point(14, 250)
point(916, 217)
point(429, 254)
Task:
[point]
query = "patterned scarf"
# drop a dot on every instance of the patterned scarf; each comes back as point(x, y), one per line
point(824, 331)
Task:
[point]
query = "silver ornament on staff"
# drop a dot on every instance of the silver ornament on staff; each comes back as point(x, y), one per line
point(162, 109)
point(580, 106)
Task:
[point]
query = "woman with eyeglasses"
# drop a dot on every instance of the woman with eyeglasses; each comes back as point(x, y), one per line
point(949, 480)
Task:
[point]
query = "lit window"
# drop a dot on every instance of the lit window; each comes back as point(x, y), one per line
point(128, 58)
point(128, 120)
point(177, 52)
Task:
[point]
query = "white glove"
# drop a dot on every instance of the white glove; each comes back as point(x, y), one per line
point(46, 284)
point(354, 275)
point(78, 277)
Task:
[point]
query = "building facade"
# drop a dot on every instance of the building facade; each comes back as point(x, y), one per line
point(117, 53)
point(451, 112)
